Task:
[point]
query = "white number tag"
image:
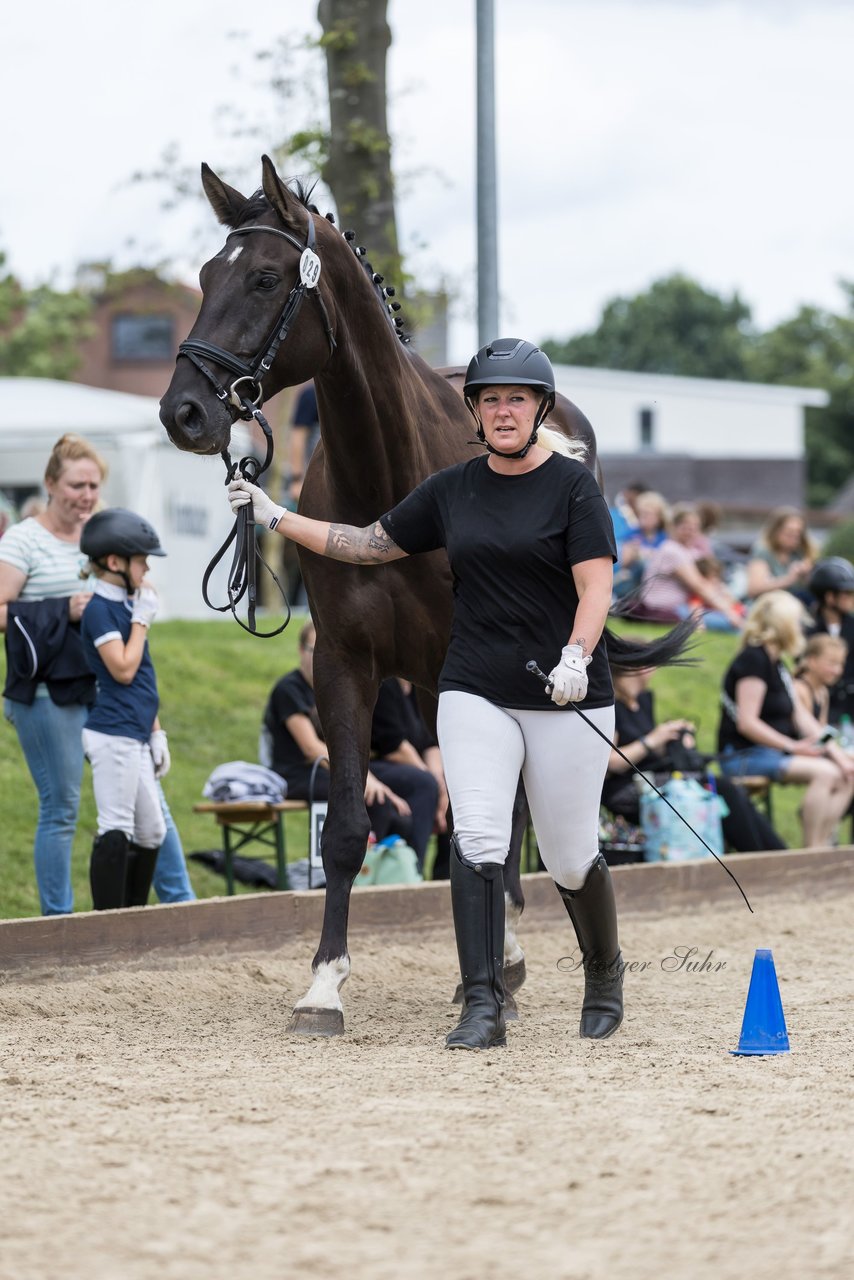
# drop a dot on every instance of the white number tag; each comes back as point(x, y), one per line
point(309, 268)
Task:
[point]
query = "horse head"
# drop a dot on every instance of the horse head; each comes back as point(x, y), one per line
point(267, 318)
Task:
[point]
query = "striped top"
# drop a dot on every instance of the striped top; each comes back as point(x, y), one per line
point(52, 567)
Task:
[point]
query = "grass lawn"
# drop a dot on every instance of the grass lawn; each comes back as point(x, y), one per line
point(214, 680)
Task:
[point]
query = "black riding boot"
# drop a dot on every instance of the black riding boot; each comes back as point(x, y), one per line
point(477, 898)
point(107, 870)
point(593, 913)
point(140, 873)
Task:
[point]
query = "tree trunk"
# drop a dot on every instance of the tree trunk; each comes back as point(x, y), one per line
point(356, 38)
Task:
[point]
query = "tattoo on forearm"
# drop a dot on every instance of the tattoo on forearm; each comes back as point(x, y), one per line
point(580, 640)
point(370, 545)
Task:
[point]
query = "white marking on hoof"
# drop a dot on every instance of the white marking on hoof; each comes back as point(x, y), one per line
point(513, 953)
point(329, 978)
point(235, 254)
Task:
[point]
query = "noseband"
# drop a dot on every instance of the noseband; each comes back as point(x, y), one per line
point(244, 402)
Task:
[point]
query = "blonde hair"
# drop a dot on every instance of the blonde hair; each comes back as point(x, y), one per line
point(820, 644)
point(553, 439)
point(650, 498)
point(774, 523)
point(71, 448)
point(776, 618)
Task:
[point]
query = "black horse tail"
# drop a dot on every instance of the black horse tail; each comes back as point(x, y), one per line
point(671, 649)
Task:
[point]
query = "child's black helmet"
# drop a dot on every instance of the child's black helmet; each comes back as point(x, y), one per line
point(117, 532)
point(835, 573)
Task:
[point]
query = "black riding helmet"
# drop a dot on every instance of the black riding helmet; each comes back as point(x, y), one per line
point(835, 573)
point(117, 532)
point(510, 362)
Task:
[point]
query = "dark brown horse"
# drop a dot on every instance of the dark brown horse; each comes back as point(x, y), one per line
point(387, 421)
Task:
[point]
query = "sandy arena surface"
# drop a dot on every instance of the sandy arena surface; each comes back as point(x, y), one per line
point(159, 1124)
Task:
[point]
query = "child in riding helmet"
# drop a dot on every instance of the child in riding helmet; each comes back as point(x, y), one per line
point(123, 740)
point(832, 585)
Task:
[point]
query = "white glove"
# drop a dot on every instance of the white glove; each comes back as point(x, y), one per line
point(145, 606)
point(160, 753)
point(241, 491)
point(569, 678)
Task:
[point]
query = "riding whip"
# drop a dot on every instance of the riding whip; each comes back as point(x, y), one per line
point(535, 670)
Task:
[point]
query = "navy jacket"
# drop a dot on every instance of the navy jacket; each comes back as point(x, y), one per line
point(43, 645)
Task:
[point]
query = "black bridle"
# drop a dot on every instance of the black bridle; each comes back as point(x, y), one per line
point(244, 402)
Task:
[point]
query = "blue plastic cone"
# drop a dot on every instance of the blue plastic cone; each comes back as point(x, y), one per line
point(763, 1029)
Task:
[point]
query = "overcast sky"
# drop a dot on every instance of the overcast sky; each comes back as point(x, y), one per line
point(635, 138)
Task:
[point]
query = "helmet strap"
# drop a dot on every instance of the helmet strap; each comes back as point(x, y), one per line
point(546, 406)
point(123, 574)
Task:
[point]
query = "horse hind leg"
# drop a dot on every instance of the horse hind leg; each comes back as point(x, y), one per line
point(515, 971)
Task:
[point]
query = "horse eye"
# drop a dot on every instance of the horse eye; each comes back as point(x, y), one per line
point(268, 282)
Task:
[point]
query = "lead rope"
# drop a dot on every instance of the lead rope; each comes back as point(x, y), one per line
point(535, 670)
point(242, 576)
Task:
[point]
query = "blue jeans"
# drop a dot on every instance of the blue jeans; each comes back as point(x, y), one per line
point(171, 879)
point(50, 738)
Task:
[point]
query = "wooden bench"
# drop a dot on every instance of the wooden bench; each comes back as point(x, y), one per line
point(247, 822)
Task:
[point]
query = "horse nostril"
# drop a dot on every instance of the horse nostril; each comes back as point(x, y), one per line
point(187, 418)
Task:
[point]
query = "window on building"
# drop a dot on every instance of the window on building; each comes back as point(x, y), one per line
point(647, 428)
point(149, 336)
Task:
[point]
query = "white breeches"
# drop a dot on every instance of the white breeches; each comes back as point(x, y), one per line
point(562, 763)
point(125, 790)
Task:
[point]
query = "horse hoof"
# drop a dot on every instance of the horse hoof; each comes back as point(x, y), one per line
point(511, 1010)
point(316, 1022)
point(514, 975)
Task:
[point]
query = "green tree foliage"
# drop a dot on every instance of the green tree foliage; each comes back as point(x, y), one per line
point(675, 327)
point(816, 349)
point(40, 328)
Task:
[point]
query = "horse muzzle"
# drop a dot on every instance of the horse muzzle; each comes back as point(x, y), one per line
point(192, 427)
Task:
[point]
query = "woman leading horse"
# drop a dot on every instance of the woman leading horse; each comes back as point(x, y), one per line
point(274, 317)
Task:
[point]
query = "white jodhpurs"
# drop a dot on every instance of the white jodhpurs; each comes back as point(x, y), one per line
point(562, 763)
point(126, 793)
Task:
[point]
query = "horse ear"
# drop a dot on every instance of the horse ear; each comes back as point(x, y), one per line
point(226, 203)
point(283, 201)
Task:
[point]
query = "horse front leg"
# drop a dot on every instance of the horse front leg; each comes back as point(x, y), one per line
point(345, 705)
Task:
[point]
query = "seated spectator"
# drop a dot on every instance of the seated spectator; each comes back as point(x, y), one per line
point(672, 584)
point(648, 746)
point(292, 744)
point(766, 731)
point(832, 588)
point(406, 757)
point(623, 513)
point(782, 557)
point(653, 515)
point(819, 669)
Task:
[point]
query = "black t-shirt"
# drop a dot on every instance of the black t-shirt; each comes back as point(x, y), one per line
point(293, 695)
point(777, 706)
point(511, 544)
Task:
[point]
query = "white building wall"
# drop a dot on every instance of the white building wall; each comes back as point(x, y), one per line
point(698, 417)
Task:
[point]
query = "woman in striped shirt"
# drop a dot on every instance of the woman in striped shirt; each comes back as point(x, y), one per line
point(40, 562)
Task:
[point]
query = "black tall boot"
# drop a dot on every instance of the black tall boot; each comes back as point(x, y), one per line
point(593, 913)
point(107, 870)
point(140, 873)
point(477, 898)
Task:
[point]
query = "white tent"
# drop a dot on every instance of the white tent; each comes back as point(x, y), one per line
point(182, 495)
